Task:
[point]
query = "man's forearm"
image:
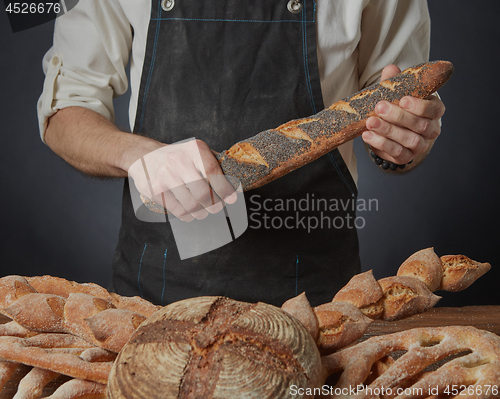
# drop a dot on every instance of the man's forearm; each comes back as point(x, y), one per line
point(93, 145)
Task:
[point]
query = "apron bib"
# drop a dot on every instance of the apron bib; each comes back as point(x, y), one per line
point(222, 71)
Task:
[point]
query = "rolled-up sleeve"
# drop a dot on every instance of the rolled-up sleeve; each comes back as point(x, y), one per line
point(86, 65)
point(392, 32)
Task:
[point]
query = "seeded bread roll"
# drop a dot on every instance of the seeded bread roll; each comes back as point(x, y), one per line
point(276, 152)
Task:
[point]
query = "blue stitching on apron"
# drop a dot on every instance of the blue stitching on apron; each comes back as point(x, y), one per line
point(150, 74)
point(297, 276)
point(337, 167)
point(140, 266)
point(225, 20)
point(306, 63)
point(164, 261)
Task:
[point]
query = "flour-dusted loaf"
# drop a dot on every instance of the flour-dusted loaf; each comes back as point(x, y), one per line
point(340, 324)
point(215, 347)
point(424, 265)
point(364, 292)
point(473, 365)
point(459, 272)
point(405, 296)
point(273, 153)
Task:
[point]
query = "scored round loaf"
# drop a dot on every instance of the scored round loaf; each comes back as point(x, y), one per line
point(216, 347)
point(275, 152)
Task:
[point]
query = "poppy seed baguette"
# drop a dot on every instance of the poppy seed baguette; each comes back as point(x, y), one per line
point(273, 153)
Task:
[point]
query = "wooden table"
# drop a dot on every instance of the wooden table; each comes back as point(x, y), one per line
point(483, 317)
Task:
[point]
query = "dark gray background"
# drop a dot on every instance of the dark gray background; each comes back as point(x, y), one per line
point(56, 221)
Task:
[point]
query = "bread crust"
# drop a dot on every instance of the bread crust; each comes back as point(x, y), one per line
point(340, 324)
point(405, 296)
point(478, 367)
point(424, 265)
point(364, 292)
point(460, 271)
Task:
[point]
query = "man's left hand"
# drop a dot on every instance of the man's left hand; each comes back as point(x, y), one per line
point(404, 132)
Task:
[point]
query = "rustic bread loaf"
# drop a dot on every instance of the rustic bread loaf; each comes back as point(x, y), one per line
point(340, 324)
point(60, 353)
point(300, 308)
point(215, 347)
point(96, 320)
point(459, 272)
point(424, 265)
point(276, 152)
point(364, 292)
point(474, 364)
point(62, 287)
point(405, 296)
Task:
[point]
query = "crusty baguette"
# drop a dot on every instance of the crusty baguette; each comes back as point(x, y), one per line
point(62, 287)
point(364, 292)
point(300, 308)
point(391, 298)
point(79, 389)
point(424, 265)
point(405, 296)
point(32, 384)
point(273, 153)
point(459, 272)
point(341, 323)
point(63, 360)
point(95, 320)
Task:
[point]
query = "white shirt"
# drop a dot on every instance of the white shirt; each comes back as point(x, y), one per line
point(93, 42)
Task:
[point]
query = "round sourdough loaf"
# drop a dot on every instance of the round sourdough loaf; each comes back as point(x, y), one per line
point(215, 347)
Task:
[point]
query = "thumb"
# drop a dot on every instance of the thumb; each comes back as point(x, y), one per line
point(389, 71)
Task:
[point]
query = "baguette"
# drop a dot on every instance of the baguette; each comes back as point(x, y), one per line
point(62, 287)
point(405, 296)
point(459, 272)
point(55, 356)
point(273, 153)
point(95, 320)
point(364, 292)
point(424, 265)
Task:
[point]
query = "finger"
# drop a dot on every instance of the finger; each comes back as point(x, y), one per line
point(431, 108)
point(218, 181)
point(395, 115)
point(387, 149)
point(203, 193)
point(189, 203)
point(407, 138)
point(389, 71)
point(173, 206)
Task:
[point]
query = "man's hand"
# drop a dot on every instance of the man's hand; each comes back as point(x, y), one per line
point(406, 132)
point(176, 175)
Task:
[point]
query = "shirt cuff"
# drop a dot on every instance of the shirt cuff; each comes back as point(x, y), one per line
point(64, 88)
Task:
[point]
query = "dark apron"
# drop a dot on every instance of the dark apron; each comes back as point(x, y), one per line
point(222, 71)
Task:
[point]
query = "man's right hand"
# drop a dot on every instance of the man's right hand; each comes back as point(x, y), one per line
point(184, 178)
